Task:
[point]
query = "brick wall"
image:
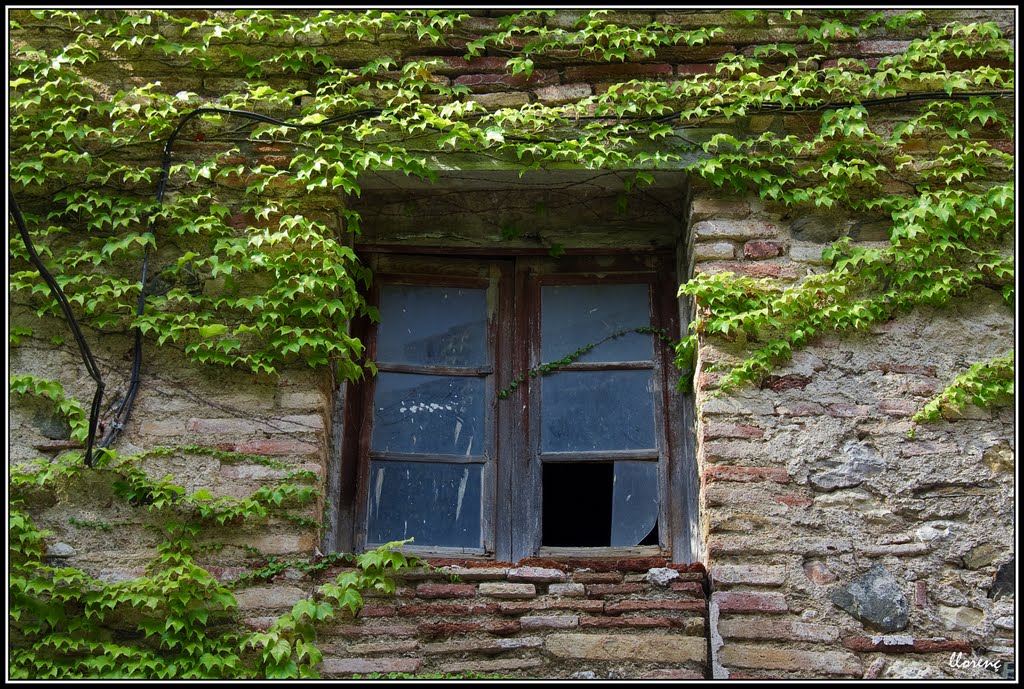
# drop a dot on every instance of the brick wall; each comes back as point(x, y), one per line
point(577, 619)
point(809, 484)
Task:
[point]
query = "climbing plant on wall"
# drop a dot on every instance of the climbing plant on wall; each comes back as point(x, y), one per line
point(245, 275)
point(249, 266)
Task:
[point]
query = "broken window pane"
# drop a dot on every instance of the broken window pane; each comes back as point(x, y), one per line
point(573, 316)
point(600, 504)
point(597, 410)
point(432, 326)
point(634, 502)
point(576, 510)
point(428, 414)
point(436, 504)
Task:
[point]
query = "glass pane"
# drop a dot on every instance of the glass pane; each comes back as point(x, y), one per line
point(597, 410)
point(573, 316)
point(435, 504)
point(432, 326)
point(634, 502)
point(428, 414)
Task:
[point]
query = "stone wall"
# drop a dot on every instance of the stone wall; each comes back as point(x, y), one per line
point(836, 546)
point(574, 619)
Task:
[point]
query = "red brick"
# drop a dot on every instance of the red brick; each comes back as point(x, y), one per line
point(445, 591)
point(714, 429)
point(448, 609)
point(272, 148)
point(819, 573)
point(389, 630)
point(709, 52)
point(647, 605)
point(791, 382)
point(547, 563)
point(794, 500)
point(625, 72)
point(759, 249)
point(687, 70)
point(280, 162)
point(629, 622)
point(746, 474)
point(596, 577)
point(921, 594)
point(432, 629)
point(898, 407)
point(487, 646)
point(693, 587)
point(500, 627)
point(556, 604)
point(736, 601)
point(375, 611)
point(539, 77)
point(452, 64)
point(877, 644)
point(611, 589)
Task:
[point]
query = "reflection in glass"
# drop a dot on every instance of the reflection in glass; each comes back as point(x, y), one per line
point(573, 316)
point(436, 504)
point(597, 410)
point(428, 414)
point(634, 502)
point(432, 326)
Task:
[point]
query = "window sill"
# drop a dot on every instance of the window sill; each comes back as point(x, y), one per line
point(552, 552)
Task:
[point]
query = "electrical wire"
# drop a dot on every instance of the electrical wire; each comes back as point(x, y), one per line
point(123, 412)
point(58, 294)
point(121, 416)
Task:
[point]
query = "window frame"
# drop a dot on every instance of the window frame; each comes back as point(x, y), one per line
point(512, 489)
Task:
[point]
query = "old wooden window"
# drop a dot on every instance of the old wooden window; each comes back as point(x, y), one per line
point(444, 446)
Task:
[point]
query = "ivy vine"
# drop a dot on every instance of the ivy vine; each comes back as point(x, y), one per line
point(248, 276)
point(177, 621)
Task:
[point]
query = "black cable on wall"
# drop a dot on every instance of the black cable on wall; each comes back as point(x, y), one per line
point(121, 416)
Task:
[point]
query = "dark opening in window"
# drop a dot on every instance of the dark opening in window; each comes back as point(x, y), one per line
point(600, 504)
